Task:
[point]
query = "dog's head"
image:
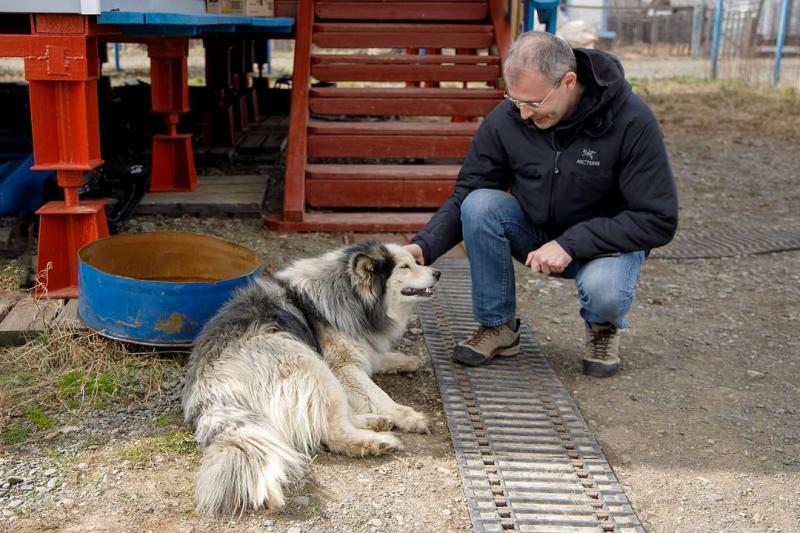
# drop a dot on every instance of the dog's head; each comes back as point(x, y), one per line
point(390, 269)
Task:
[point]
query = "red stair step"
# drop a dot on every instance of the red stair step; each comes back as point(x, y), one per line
point(410, 59)
point(363, 221)
point(322, 127)
point(357, 35)
point(405, 102)
point(389, 146)
point(398, 72)
point(362, 186)
point(368, 10)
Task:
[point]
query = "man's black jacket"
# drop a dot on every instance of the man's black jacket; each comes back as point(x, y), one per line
point(599, 182)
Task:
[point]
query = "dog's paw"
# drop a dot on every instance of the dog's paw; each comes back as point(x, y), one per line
point(396, 362)
point(380, 444)
point(410, 421)
point(373, 422)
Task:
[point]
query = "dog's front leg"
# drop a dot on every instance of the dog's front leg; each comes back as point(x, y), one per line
point(348, 362)
point(395, 362)
point(365, 396)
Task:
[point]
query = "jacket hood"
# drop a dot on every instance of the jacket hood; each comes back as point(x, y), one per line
point(605, 91)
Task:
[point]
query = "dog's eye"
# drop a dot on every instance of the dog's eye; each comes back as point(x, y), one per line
point(405, 266)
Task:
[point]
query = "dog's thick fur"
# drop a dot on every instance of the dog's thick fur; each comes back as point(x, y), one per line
point(285, 366)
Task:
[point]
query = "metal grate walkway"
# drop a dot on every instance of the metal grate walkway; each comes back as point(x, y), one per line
point(528, 462)
point(730, 242)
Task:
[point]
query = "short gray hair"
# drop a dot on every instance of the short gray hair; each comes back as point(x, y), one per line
point(551, 56)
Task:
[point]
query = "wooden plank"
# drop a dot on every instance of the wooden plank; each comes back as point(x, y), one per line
point(28, 317)
point(401, 10)
point(403, 106)
point(297, 151)
point(322, 127)
point(251, 142)
point(358, 72)
point(232, 178)
point(385, 146)
point(382, 172)
point(361, 221)
point(428, 39)
point(406, 59)
point(378, 193)
point(394, 238)
point(68, 318)
point(345, 27)
point(7, 302)
point(408, 92)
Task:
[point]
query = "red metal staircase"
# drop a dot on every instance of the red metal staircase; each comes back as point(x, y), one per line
point(402, 121)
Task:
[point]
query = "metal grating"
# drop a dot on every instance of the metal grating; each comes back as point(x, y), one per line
point(528, 461)
point(729, 242)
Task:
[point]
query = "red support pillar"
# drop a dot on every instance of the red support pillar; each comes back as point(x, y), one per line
point(173, 160)
point(62, 68)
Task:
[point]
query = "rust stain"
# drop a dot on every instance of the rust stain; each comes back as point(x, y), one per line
point(174, 324)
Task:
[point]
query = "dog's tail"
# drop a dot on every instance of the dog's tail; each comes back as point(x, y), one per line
point(245, 465)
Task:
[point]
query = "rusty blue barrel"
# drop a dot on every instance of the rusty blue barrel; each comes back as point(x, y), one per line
point(159, 288)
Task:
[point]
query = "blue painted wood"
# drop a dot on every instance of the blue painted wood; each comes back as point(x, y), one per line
point(120, 17)
point(126, 296)
point(192, 24)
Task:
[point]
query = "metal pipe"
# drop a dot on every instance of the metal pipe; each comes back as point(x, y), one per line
point(716, 39)
point(781, 40)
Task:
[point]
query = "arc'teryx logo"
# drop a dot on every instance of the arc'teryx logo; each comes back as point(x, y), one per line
point(587, 158)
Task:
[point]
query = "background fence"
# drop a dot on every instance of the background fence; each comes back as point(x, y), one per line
point(668, 38)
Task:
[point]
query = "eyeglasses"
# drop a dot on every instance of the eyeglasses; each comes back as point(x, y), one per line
point(533, 106)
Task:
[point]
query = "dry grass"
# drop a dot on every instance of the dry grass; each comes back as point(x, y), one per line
point(64, 370)
point(744, 109)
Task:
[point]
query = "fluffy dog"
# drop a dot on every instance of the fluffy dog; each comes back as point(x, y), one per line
point(285, 366)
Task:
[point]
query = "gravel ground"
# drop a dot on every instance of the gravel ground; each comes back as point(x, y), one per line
point(701, 427)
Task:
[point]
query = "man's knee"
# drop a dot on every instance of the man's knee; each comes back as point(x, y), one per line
point(480, 204)
point(605, 299)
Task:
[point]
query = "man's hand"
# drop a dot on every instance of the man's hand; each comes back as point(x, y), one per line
point(548, 259)
point(416, 251)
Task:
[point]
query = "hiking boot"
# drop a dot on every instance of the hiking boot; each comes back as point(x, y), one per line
point(602, 351)
point(488, 342)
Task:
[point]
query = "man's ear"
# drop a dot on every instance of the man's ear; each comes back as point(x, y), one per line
point(570, 80)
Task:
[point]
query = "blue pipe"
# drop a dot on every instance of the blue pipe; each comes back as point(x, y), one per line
point(781, 40)
point(116, 57)
point(716, 39)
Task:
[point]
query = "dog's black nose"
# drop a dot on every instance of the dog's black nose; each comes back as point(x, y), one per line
point(437, 274)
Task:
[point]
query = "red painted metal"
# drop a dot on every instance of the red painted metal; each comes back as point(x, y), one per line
point(62, 67)
point(172, 160)
point(63, 230)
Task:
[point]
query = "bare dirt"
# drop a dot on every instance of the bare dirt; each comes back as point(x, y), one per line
point(702, 426)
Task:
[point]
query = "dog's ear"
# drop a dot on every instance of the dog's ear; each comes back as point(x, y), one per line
point(364, 265)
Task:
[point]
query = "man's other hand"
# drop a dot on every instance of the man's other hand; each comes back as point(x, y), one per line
point(548, 259)
point(416, 251)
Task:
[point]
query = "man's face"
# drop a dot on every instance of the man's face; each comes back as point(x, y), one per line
point(533, 88)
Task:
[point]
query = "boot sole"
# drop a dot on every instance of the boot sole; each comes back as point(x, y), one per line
point(601, 369)
point(476, 359)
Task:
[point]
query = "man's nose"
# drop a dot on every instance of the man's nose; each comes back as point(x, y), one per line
point(525, 112)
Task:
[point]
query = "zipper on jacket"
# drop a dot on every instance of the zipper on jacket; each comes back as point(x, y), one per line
point(556, 172)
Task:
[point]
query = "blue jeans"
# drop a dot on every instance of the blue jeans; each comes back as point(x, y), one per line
point(495, 229)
